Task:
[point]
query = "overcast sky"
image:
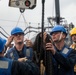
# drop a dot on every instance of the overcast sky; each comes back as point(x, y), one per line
point(9, 16)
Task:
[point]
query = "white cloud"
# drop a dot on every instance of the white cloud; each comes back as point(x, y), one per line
point(69, 12)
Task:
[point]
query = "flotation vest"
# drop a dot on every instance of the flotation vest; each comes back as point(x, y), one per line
point(12, 53)
point(73, 46)
point(5, 66)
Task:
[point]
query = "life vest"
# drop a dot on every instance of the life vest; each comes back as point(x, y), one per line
point(58, 68)
point(73, 46)
point(5, 66)
point(12, 53)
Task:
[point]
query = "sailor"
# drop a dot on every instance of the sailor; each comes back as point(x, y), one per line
point(73, 37)
point(20, 50)
point(63, 57)
point(12, 67)
point(73, 45)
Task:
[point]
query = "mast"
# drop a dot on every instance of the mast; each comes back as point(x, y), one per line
point(57, 11)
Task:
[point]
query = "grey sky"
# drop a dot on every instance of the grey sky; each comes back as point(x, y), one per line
point(10, 15)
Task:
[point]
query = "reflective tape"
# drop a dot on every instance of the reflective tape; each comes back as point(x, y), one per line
point(65, 51)
point(4, 64)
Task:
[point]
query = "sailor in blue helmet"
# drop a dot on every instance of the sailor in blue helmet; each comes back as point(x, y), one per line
point(12, 67)
point(63, 56)
point(20, 50)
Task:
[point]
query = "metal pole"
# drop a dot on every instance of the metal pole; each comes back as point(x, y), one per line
point(57, 10)
point(43, 2)
point(41, 49)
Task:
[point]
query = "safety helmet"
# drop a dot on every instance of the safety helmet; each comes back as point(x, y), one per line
point(73, 31)
point(2, 44)
point(58, 28)
point(16, 30)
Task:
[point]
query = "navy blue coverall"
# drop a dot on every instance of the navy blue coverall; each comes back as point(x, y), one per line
point(63, 61)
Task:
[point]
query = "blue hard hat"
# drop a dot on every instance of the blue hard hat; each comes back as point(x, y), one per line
point(16, 30)
point(58, 28)
point(2, 44)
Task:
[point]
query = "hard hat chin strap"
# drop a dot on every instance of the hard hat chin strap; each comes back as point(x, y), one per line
point(60, 36)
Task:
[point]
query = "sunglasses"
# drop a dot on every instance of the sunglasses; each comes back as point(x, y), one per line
point(18, 34)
